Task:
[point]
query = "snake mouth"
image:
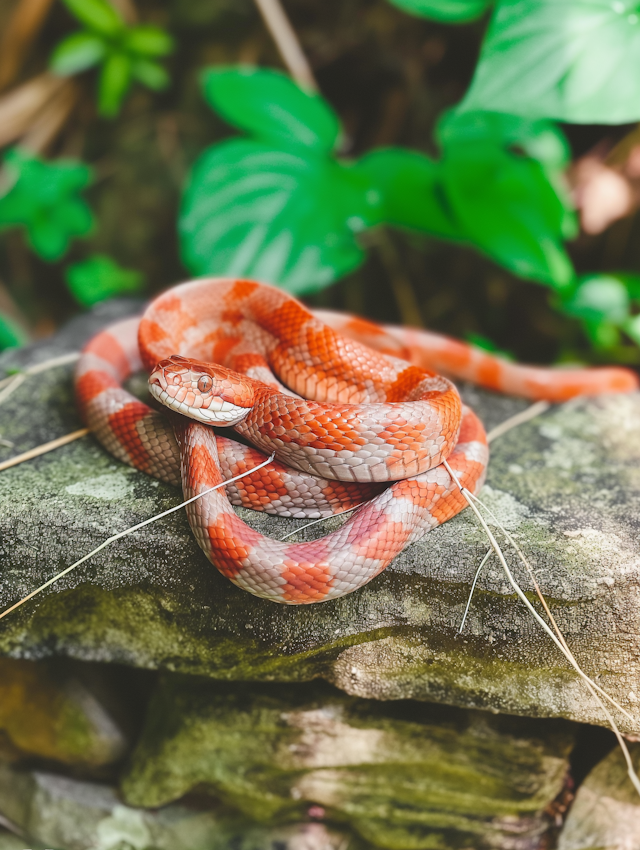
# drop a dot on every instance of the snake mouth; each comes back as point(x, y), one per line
point(216, 412)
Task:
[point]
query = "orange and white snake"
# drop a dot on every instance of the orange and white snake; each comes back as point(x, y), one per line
point(352, 410)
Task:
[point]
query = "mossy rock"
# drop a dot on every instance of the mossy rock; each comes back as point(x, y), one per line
point(567, 484)
point(403, 775)
point(47, 712)
point(71, 814)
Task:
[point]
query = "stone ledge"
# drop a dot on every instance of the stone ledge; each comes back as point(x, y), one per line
point(567, 484)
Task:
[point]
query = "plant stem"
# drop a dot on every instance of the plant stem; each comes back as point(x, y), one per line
point(287, 43)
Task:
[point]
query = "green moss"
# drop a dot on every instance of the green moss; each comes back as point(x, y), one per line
point(394, 772)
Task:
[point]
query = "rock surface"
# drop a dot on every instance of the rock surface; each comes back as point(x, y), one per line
point(50, 713)
point(606, 811)
point(567, 484)
point(402, 775)
point(53, 811)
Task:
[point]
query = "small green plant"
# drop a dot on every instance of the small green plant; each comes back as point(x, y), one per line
point(124, 53)
point(43, 199)
point(281, 206)
point(605, 305)
point(98, 278)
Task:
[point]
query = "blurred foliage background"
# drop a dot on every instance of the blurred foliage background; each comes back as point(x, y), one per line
point(102, 117)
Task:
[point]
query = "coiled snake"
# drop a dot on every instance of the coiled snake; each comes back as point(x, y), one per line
point(354, 415)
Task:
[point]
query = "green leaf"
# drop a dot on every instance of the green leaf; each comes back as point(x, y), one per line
point(508, 209)
point(280, 216)
point(573, 60)
point(502, 177)
point(271, 106)
point(98, 15)
point(43, 199)
point(98, 278)
point(115, 79)
point(631, 282)
point(632, 328)
point(76, 53)
point(147, 40)
point(599, 298)
point(539, 139)
point(485, 344)
point(448, 11)
point(11, 334)
point(150, 74)
point(410, 191)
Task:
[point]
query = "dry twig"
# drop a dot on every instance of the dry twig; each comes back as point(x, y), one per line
point(287, 43)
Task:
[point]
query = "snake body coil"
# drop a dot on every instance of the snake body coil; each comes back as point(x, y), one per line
point(348, 423)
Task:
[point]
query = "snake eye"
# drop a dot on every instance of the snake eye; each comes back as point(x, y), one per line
point(205, 382)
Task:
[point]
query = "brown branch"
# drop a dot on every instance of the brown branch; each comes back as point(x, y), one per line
point(287, 43)
point(18, 36)
point(20, 107)
point(52, 118)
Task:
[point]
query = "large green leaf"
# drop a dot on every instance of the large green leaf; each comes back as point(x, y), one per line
point(281, 216)
point(508, 209)
point(271, 106)
point(573, 60)
point(449, 11)
point(495, 187)
point(540, 139)
point(410, 191)
point(537, 139)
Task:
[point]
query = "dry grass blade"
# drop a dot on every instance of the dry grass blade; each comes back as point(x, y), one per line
point(44, 448)
point(473, 587)
point(19, 107)
point(322, 519)
point(543, 601)
point(128, 531)
point(519, 418)
point(592, 687)
point(11, 383)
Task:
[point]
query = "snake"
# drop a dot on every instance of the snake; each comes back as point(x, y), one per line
point(359, 416)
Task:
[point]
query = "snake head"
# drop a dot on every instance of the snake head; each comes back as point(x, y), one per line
point(209, 393)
